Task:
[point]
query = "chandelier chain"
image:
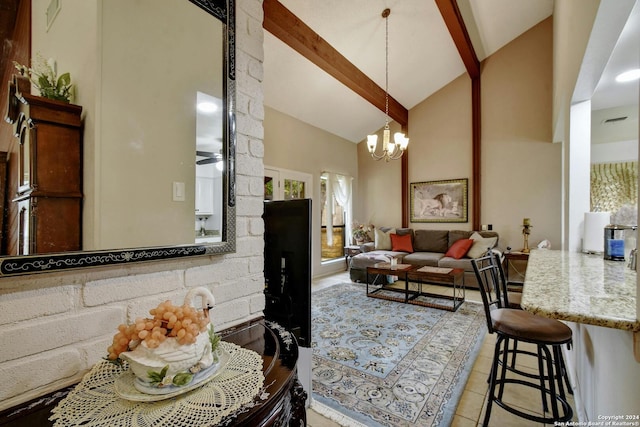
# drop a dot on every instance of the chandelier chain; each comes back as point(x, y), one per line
point(386, 71)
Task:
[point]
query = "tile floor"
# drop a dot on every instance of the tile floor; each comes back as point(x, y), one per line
point(470, 410)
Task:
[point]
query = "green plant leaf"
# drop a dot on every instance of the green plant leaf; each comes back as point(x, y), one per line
point(157, 377)
point(64, 80)
point(182, 379)
point(43, 83)
point(214, 339)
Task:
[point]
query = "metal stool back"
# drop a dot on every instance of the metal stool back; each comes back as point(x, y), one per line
point(514, 326)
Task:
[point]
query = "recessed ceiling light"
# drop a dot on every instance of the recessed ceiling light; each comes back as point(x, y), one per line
point(207, 107)
point(628, 76)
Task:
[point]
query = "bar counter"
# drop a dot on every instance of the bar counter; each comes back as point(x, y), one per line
point(597, 299)
point(581, 288)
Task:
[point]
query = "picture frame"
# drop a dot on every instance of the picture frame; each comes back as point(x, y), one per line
point(440, 201)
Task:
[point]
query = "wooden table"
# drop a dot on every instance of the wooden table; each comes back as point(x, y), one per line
point(285, 404)
point(385, 268)
point(520, 257)
point(350, 251)
point(453, 277)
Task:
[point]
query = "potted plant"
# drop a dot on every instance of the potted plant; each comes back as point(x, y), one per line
point(44, 77)
point(361, 233)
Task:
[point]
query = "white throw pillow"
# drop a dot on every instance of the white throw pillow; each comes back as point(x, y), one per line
point(480, 245)
point(383, 239)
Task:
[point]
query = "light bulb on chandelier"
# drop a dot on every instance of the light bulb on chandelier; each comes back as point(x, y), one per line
point(391, 150)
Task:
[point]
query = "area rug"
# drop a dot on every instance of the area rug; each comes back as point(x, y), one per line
point(384, 363)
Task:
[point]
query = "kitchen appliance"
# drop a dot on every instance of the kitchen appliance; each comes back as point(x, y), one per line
point(614, 241)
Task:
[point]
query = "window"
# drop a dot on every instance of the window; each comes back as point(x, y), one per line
point(294, 189)
point(335, 191)
point(282, 184)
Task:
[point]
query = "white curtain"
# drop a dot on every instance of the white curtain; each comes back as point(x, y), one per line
point(338, 189)
point(342, 193)
point(329, 209)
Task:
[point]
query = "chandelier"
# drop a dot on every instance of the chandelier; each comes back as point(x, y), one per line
point(391, 150)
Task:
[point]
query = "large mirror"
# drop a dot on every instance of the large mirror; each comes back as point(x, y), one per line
point(156, 82)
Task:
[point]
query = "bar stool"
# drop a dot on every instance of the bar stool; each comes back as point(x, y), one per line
point(511, 299)
point(514, 326)
point(514, 300)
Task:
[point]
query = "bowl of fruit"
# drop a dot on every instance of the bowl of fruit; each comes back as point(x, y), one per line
point(174, 349)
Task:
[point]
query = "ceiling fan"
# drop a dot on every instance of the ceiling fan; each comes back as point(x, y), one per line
point(209, 157)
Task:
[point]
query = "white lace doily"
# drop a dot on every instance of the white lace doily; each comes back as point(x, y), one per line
point(94, 401)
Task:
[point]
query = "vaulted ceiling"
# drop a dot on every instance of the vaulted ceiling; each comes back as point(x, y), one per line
point(422, 56)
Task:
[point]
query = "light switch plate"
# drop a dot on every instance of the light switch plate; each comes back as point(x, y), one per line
point(178, 191)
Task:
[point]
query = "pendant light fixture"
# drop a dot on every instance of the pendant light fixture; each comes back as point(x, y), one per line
point(391, 150)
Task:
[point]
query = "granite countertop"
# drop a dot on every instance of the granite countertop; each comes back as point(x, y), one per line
point(581, 288)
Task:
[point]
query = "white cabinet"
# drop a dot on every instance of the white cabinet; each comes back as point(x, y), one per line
point(204, 195)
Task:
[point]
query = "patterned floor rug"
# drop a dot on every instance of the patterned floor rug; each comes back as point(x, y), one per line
point(384, 363)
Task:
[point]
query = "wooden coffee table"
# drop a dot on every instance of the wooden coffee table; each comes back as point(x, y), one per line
point(385, 268)
point(453, 277)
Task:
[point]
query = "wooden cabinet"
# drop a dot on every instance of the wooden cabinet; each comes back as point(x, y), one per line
point(49, 190)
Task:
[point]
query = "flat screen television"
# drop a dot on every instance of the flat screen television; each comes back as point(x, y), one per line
point(287, 266)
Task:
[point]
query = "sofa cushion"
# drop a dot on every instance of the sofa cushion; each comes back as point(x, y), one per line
point(403, 231)
point(455, 235)
point(431, 241)
point(383, 239)
point(487, 234)
point(423, 258)
point(481, 245)
point(401, 243)
point(448, 262)
point(459, 248)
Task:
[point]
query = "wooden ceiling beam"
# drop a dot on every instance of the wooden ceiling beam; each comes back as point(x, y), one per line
point(287, 27)
point(454, 22)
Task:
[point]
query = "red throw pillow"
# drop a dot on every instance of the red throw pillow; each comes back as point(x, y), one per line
point(459, 248)
point(401, 243)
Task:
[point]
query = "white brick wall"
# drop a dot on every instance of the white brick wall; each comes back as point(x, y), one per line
point(53, 328)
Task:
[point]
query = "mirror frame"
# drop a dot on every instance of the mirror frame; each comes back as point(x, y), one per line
point(224, 10)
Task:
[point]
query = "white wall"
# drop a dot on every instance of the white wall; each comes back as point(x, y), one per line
point(72, 40)
point(521, 168)
point(147, 114)
point(59, 325)
point(297, 146)
point(614, 152)
point(377, 199)
point(579, 171)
